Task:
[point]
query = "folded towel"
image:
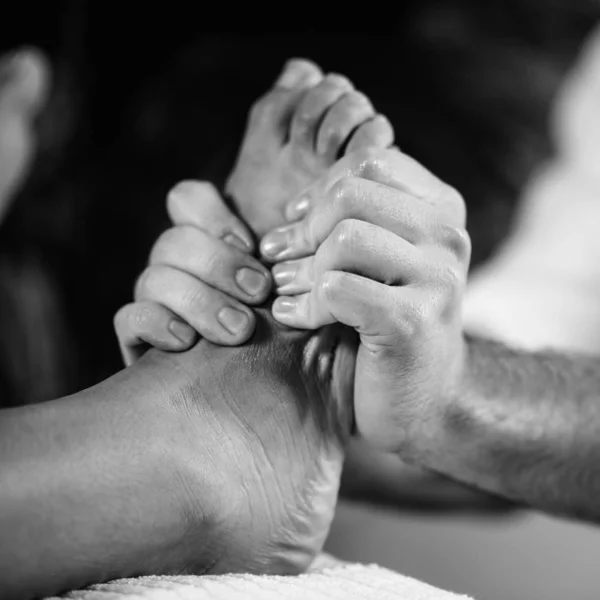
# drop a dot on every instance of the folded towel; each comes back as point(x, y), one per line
point(342, 581)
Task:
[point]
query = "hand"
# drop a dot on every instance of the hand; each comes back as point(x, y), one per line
point(200, 276)
point(24, 82)
point(382, 248)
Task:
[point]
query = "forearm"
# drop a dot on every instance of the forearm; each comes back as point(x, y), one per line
point(90, 487)
point(526, 426)
point(381, 478)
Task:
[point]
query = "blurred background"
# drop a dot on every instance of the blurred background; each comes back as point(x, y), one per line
point(147, 94)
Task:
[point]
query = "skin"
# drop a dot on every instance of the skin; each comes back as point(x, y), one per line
point(208, 461)
point(193, 275)
point(522, 425)
point(198, 268)
point(390, 260)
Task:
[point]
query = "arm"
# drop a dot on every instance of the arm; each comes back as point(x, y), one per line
point(526, 426)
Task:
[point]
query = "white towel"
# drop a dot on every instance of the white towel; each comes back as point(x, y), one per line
point(344, 581)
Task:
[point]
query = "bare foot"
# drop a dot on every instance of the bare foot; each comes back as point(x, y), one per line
point(24, 79)
point(294, 134)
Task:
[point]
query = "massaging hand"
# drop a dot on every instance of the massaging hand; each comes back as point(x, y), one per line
point(295, 133)
point(200, 278)
point(382, 248)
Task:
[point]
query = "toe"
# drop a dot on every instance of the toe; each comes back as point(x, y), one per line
point(313, 108)
point(272, 112)
point(299, 72)
point(375, 133)
point(348, 113)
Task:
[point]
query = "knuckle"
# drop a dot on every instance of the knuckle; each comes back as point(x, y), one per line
point(457, 240)
point(454, 204)
point(195, 299)
point(145, 282)
point(344, 193)
point(444, 295)
point(362, 156)
point(330, 284)
point(168, 244)
point(413, 319)
point(213, 262)
point(142, 317)
point(371, 163)
point(448, 278)
point(345, 234)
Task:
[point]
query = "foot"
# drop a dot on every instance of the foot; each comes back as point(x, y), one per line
point(23, 90)
point(294, 134)
point(267, 422)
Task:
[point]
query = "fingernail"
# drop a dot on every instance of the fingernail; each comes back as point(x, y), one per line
point(297, 209)
point(232, 319)
point(275, 244)
point(250, 281)
point(293, 73)
point(183, 332)
point(284, 274)
point(285, 305)
point(237, 241)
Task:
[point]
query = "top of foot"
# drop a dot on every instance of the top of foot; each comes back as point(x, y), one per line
point(294, 134)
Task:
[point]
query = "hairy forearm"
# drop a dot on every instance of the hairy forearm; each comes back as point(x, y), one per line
point(89, 487)
point(527, 426)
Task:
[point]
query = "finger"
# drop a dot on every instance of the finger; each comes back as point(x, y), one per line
point(361, 303)
point(314, 104)
point(352, 109)
point(352, 198)
point(392, 168)
point(377, 132)
point(143, 324)
point(360, 248)
point(198, 203)
point(213, 314)
point(213, 261)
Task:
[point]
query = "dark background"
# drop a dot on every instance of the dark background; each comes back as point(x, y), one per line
point(147, 94)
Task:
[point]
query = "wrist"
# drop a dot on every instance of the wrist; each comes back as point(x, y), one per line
point(438, 430)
